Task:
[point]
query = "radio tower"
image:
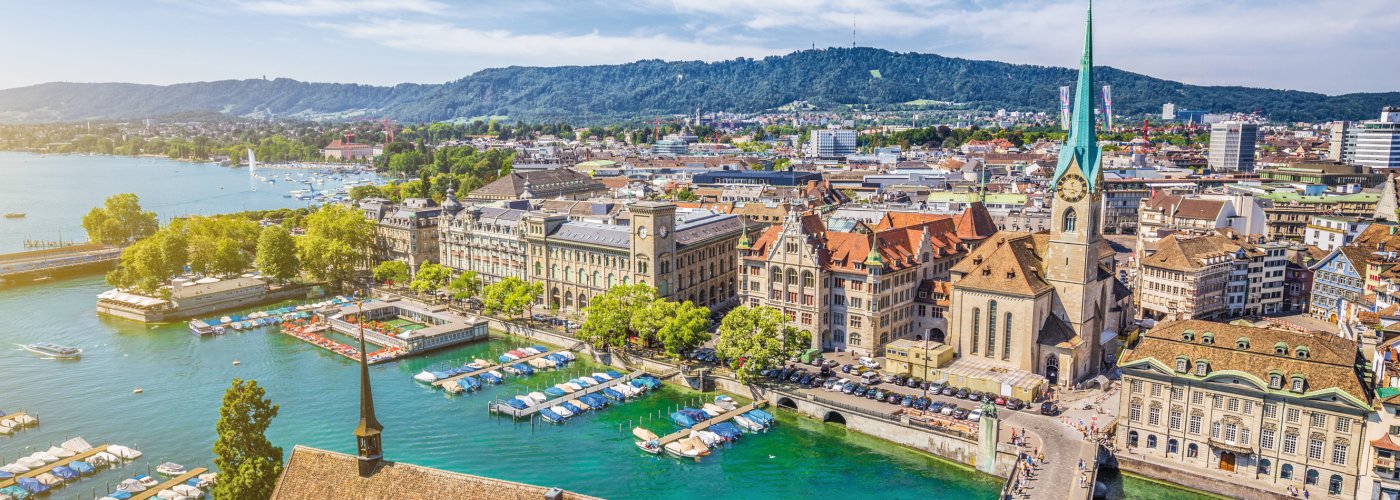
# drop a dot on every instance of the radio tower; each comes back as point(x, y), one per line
point(853, 31)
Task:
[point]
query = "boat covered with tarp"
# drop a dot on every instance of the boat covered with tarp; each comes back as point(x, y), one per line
point(492, 377)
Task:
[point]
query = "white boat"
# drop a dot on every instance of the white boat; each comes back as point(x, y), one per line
point(539, 397)
point(714, 409)
point(170, 469)
point(726, 402)
point(573, 386)
point(747, 424)
point(188, 491)
point(453, 387)
point(479, 363)
point(147, 481)
point(601, 376)
point(709, 438)
point(562, 411)
point(496, 374)
point(47, 458)
point(124, 452)
point(54, 350)
point(425, 377)
point(648, 441)
point(60, 452)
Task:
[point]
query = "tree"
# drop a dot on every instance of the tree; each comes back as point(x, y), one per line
point(338, 241)
point(430, 278)
point(361, 192)
point(391, 271)
point(277, 254)
point(510, 296)
point(248, 463)
point(229, 258)
point(119, 221)
point(758, 338)
point(609, 316)
point(686, 327)
point(465, 286)
point(686, 195)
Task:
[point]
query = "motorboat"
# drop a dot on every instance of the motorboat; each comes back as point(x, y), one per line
point(54, 350)
point(170, 469)
point(562, 411)
point(648, 441)
point(726, 402)
point(426, 377)
point(714, 410)
point(539, 397)
point(15, 215)
point(747, 424)
point(201, 328)
point(582, 405)
point(147, 481)
point(678, 450)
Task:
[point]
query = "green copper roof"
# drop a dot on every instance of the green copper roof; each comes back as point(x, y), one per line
point(873, 259)
point(1082, 144)
point(744, 239)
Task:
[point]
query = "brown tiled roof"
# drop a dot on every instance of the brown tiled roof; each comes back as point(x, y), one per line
point(898, 246)
point(543, 183)
point(1385, 443)
point(1378, 237)
point(1009, 262)
point(975, 223)
point(906, 219)
point(1331, 362)
point(318, 474)
point(1184, 207)
point(1187, 253)
point(614, 182)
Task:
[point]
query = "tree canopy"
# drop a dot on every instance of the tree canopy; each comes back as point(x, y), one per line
point(465, 286)
point(758, 338)
point(248, 463)
point(339, 240)
point(510, 296)
point(277, 254)
point(391, 271)
point(119, 221)
point(608, 317)
point(430, 278)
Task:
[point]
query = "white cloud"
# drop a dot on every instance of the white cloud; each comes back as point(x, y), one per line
point(328, 8)
point(548, 48)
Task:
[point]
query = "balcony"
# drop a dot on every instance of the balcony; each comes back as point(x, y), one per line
point(1385, 464)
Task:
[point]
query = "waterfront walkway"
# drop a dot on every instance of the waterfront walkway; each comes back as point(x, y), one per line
point(440, 383)
point(57, 259)
point(506, 409)
point(706, 424)
point(49, 467)
point(181, 479)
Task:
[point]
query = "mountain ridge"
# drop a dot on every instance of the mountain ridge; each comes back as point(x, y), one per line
point(826, 78)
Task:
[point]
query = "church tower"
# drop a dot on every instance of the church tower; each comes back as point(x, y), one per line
point(1071, 262)
point(370, 451)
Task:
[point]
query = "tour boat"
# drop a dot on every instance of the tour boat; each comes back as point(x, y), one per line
point(55, 350)
point(170, 469)
point(201, 327)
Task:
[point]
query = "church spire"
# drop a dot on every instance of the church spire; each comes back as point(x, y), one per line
point(367, 434)
point(1082, 144)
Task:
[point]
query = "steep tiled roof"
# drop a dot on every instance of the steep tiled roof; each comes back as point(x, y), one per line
point(975, 223)
point(1186, 207)
point(1331, 360)
point(898, 247)
point(906, 219)
point(313, 473)
point(543, 184)
point(1189, 254)
point(1009, 262)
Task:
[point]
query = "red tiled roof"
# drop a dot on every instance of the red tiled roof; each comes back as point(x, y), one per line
point(975, 223)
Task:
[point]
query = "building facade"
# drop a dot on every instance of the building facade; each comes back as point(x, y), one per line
point(1375, 144)
point(1329, 231)
point(1232, 146)
point(485, 240)
point(1269, 408)
point(406, 232)
point(832, 142)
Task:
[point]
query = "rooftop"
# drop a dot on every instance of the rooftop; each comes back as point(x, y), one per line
point(312, 473)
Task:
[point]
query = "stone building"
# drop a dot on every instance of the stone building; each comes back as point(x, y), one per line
point(483, 239)
point(1257, 407)
point(406, 232)
point(557, 183)
point(851, 290)
point(1211, 276)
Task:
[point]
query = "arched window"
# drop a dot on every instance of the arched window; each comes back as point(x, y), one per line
point(1311, 477)
point(1265, 467)
point(1334, 485)
point(1132, 439)
point(991, 328)
point(1172, 446)
point(1192, 450)
point(808, 280)
point(1152, 441)
point(776, 277)
point(1071, 220)
point(976, 324)
point(610, 280)
point(596, 275)
point(1006, 339)
point(1285, 471)
point(792, 277)
point(538, 268)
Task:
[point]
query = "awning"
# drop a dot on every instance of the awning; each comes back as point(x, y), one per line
point(1215, 443)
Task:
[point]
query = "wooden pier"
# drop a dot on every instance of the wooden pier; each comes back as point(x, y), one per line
point(506, 409)
point(674, 436)
point(155, 490)
point(49, 467)
point(439, 383)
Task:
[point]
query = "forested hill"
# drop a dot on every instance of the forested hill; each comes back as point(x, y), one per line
point(824, 78)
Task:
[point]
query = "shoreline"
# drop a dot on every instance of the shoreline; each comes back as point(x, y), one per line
point(270, 166)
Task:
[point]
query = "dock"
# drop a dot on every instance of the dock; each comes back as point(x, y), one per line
point(506, 409)
point(674, 436)
point(49, 467)
point(497, 366)
point(155, 490)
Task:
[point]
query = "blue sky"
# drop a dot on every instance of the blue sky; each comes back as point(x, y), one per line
point(1332, 46)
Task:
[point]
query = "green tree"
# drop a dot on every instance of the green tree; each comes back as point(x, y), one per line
point(686, 327)
point(248, 463)
point(339, 240)
point(608, 317)
point(277, 254)
point(229, 258)
point(465, 286)
point(510, 296)
point(391, 271)
point(686, 195)
point(361, 192)
point(430, 278)
point(119, 221)
point(758, 338)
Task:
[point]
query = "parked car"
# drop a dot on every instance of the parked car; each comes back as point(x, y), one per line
point(875, 394)
point(869, 362)
point(975, 415)
point(1014, 404)
point(1049, 408)
point(948, 409)
point(961, 413)
point(796, 375)
point(1000, 401)
point(923, 403)
point(806, 380)
point(870, 377)
point(830, 363)
point(906, 401)
point(915, 382)
point(849, 388)
point(974, 396)
point(936, 406)
point(962, 393)
point(846, 368)
point(949, 390)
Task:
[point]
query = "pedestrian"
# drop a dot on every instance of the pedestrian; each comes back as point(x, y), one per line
point(1305, 493)
point(1081, 464)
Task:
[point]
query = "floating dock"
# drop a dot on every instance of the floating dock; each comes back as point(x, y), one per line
point(506, 409)
point(439, 383)
point(181, 479)
point(49, 467)
point(672, 437)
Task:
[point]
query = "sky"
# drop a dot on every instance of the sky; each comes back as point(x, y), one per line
point(1329, 46)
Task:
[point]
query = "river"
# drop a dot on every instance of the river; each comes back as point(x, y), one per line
point(184, 376)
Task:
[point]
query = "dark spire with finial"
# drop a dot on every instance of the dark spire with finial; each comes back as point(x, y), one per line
point(367, 434)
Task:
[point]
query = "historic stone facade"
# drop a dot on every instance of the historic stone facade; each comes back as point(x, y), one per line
point(406, 232)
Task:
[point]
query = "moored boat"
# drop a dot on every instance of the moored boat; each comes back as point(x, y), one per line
point(170, 469)
point(649, 442)
point(54, 350)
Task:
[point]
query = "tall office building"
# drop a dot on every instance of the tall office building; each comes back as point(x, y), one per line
point(1232, 146)
point(1375, 144)
point(1341, 144)
point(1168, 111)
point(832, 142)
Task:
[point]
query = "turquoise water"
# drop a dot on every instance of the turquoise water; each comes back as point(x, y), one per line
point(184, 376)
point(55, 191)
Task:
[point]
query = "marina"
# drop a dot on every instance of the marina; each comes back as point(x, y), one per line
point(496, 367)
point(700, 426)
point(170, 485)
point(17, 421)
point(504, 408)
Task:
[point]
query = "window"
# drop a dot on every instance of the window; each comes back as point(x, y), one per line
point(1311, 477)
point(1137, 386)
point(1006, 338)
point(1154, 415)
point(1177, 392)
point(1135, 411)
point(1334, 485)
point(1191, 450)
point(1343, 424)
point(1319, 420)
point(976, 324)
point(1182, 365)
point(1290, 444)
point(1174, 419)
point(991, 328)
point(1285, 472)
point(1231, 432)
point(1132, 439)
point(1315, 448)
point(1156, 390)
point(1339, 452)
point(1197, 397)
point(808, 280)
point(1195, 424)
point(1292, 414)
point(1266, 439)
point(1216, 400)
point(1152, 441)
point(1264, 467)
point(1172, 446)
point(1234, 404)
point(1215, 429)
point(1070, 221)
point(1201, 368)
point(1248, 407)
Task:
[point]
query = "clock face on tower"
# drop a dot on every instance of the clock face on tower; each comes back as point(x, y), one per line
point(1072, 188)
point(662, 232)
point(642, 232)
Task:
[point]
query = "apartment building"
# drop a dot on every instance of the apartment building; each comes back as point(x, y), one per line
point(406, 231)
point(482, 239)
point(1164, 213)
point(1259, 408)
point(1331, 231)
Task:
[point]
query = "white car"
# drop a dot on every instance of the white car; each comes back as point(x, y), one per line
point(975, 415)
point(869, 363)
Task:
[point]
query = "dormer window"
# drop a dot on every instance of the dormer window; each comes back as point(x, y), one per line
point(1202, 367)
point(1242, 344)
point(1301, 352)
point(1299, 383)
point(1275, 381)
point(1188, 335)
point(1183, 364)
point(1208, 338)
point(1281, 348)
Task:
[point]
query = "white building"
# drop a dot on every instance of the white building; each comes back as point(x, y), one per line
point(1232, 146)
point(1330, 231)
point(1377, 143)
point(832, 142)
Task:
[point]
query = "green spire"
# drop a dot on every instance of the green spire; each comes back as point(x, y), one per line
point(872, 259)
point(1082, 144)
point(744, 239)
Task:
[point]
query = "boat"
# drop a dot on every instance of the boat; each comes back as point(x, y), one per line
point(201, 327)
point(714, 409)
point(237, 362)
point(676, 449)
point(550, 416)
point(539, 397)
point(147, 481)
point(170, 469)
point(426, 377)
point(649, 442)
point(55, 350)
point(15, 215)
point(726, 402)
point(562, 411)
point(137, 390)
point(747, 424)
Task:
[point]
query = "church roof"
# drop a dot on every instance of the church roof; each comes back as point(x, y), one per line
point(1009, 262)
point(313, 473)
point(975, 223)
point(1081, 147)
